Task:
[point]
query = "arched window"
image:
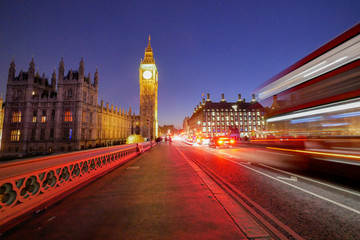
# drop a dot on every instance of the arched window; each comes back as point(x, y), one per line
point(16, 116)
point(69, 93)
point(68, 116)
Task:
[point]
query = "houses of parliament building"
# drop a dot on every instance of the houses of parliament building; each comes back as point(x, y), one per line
point(62, 113)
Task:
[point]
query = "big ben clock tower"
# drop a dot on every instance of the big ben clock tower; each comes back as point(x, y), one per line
point(148, 79)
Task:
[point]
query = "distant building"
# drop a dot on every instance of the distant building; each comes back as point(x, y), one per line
point(168, 130)
point(186, 127)
point(240, 118)
point(60, 115)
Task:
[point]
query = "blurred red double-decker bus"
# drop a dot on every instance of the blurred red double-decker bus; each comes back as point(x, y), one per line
point(317, 101)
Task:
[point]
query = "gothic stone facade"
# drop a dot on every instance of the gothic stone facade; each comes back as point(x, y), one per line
point(60, 115)
point(148, 80)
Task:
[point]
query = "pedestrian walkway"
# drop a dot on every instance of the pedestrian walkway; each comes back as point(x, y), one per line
point(155, 196)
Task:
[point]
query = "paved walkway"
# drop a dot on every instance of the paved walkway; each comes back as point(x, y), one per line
point(156, 196)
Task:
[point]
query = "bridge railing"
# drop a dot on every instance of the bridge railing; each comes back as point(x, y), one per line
point(29, 191)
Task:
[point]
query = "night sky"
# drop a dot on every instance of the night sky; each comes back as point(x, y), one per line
point(200, 47)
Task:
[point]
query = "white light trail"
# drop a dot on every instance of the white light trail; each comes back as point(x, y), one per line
point(346, 106)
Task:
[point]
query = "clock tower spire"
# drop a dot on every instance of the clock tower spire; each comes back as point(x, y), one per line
point(148, 80)
point(149, 56)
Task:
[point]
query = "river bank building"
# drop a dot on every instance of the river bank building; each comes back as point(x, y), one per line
point(241, 119)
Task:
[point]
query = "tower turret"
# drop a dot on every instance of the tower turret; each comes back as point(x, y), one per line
point(53, 81)
point(61, 70)
point(31, 70)
point(81, 69)
point(96, 78)
point(11, 74)
point(43, 78)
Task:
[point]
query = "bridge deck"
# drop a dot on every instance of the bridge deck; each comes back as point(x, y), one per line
point(155, 196)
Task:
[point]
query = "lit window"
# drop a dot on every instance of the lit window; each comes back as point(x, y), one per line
point(84, 116)
point(43, 117)
point(68, 116)
point(16, 117)
point(15, 135)
point(34, 116)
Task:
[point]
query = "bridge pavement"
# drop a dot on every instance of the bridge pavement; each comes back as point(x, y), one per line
point(155, 196)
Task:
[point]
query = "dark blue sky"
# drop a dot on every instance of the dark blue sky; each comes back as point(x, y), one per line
point(200, 47)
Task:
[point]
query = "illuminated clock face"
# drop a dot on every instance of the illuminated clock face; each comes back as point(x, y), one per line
point(147, 74)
